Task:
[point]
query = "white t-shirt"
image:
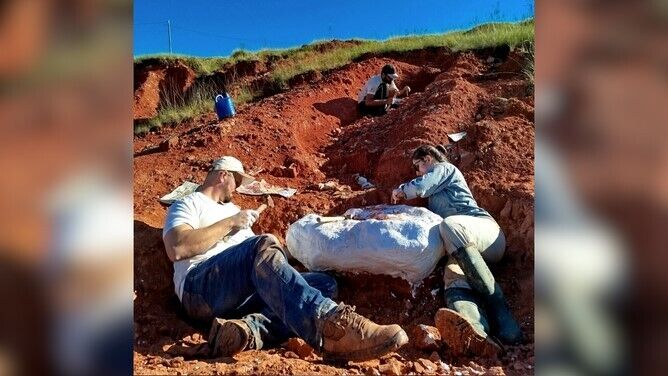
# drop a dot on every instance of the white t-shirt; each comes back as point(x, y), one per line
point(371, 87)
point(198, 211)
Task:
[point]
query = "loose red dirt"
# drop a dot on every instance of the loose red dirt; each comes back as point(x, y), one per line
point(315, 130)
point(156, 83)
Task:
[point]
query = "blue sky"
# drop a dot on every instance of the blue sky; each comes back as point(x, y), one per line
point(217, 27)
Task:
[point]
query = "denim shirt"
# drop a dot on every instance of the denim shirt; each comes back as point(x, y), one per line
point(447, 191)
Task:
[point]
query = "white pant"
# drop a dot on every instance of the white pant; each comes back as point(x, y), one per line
point(459, 230)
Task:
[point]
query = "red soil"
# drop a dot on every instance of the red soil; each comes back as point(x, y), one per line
point(315, 129)
point(154, 83)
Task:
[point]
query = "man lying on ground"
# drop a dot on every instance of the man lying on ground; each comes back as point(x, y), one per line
point(224, 273)
point(381, 92)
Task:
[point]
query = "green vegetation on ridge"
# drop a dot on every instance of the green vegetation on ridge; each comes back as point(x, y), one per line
point(295, 61)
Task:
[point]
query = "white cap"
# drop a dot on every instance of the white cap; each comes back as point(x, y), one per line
point(394, 76)
point(232, 164)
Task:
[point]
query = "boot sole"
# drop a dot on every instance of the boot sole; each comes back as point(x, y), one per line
point(233, 338)
point(461, 337)
point(393, 344)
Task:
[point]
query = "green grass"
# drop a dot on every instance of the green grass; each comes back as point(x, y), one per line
point(488, 36)
point(529, 68)
point(295, 61)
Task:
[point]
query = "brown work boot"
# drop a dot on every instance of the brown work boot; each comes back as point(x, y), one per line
point(349, 336)
point(228, 337)
point(462, 337)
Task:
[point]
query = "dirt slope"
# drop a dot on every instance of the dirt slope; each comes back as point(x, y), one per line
point(312, 134)
point(156, 83)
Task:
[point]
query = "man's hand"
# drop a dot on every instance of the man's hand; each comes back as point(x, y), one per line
point(398, 194)
point(405, 91)
point(245, 219)
point(183, 241)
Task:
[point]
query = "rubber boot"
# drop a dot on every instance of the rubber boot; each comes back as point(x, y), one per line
point(463, 301)
point(463, 326)
point(507, 329)
point(480, 278)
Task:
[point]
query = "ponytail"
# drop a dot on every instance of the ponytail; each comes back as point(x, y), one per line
point(442, 150)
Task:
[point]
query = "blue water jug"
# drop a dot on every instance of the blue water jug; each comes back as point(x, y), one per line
point(224, 106)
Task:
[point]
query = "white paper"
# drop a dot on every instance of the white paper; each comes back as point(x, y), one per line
point(259, 188)
point(454, 137)
point(180, 192)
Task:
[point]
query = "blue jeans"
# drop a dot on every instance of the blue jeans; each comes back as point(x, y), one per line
point(254, 281)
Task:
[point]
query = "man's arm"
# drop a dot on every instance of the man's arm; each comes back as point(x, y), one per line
point(370, 102)
point(404, 92)
point(183, 241)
